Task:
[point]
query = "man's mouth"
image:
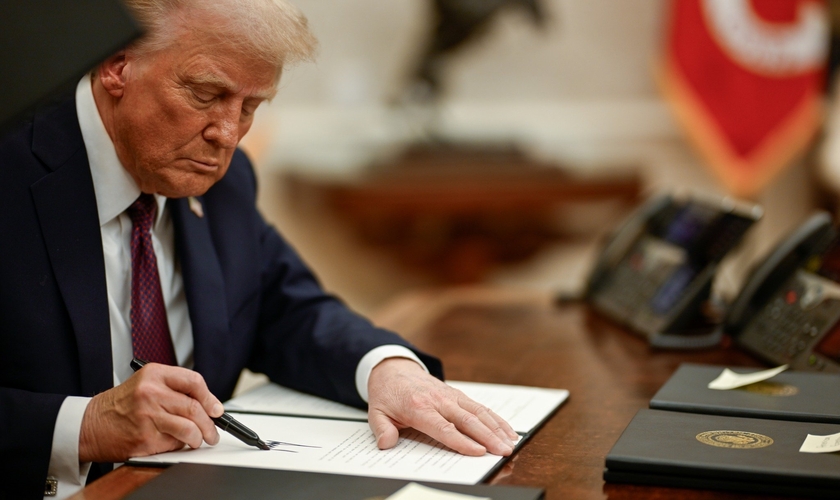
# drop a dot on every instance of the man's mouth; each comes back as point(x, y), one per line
point(204, 165)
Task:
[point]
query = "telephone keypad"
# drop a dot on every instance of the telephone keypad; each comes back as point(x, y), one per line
point(635, 282)
point(786, 328)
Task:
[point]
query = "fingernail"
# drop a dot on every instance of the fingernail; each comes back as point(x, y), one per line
point(218, 409)
point(501, 451)
point(505, 438)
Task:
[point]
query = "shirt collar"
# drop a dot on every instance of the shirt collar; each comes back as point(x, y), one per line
point(114, 187)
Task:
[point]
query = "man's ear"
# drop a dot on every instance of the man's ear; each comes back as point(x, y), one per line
point(112, 73)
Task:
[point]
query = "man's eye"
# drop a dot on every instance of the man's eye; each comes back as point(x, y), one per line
point(202, 97)
point(249, 106)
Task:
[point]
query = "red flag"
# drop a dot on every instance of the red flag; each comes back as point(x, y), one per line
point(745, 79)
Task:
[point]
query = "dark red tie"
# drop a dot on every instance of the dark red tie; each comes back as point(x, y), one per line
point(150, 337)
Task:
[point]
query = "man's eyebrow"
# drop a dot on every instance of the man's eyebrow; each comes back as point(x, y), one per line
point(214, 80)
point(266, 95)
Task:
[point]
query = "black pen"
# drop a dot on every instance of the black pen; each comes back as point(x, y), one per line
point(225, 422)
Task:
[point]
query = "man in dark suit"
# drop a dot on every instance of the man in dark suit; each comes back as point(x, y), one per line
point(130, 229)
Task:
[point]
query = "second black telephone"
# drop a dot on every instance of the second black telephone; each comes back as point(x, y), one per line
point(788, 312)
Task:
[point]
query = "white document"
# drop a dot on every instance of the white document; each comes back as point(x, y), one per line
point(337, 447)
point(821, 444)
point(731, 380)
point(523, 407)
point(414, 491)
point(275, 399)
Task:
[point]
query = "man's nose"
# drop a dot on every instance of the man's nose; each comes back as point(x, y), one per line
point(224, 129)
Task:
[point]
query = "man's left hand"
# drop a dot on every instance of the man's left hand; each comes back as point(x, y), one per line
point(401, 394)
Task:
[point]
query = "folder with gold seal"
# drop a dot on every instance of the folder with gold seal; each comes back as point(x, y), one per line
point(748, 455)
point(800, 396)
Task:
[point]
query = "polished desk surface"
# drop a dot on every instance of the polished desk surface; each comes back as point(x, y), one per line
point(518, 337)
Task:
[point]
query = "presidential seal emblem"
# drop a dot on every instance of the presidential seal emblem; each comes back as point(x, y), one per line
point(767, 388)
point(741, 440)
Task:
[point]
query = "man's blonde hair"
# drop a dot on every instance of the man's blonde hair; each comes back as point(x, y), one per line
point(272, 30)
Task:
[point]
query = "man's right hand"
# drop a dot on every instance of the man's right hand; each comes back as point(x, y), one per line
point(160, 408)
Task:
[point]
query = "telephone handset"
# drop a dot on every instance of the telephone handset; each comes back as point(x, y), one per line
point(788, 312)
point(655, 273)
point(620, 241)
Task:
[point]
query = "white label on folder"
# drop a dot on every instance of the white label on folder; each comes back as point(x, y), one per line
point(731, 380)
point(414, 491)
point(821, 444)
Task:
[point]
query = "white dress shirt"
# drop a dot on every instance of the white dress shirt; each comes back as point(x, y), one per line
point(115, 191)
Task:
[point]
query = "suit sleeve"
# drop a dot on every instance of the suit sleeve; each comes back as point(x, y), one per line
point(308, 339)
point(36, 371)
point(27, 420)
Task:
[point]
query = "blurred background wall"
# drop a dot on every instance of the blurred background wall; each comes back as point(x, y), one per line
point(578, 93)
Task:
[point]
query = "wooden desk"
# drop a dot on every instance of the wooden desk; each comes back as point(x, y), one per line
point(514, 337)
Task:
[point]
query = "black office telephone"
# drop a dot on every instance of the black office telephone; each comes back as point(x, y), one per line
point(789, 309)
point(655, 273)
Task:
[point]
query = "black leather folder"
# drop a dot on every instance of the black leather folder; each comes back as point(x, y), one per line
point(750, 455)
point(800, 396)
point(199, 482)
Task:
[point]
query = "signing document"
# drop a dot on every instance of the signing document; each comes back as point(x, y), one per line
point(337, 447)
point(307, 433)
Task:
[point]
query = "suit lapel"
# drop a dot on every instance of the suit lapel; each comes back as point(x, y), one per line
point(66, 205)
point(205, 290)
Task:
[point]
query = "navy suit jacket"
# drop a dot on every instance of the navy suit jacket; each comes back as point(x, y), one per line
point(252, 301)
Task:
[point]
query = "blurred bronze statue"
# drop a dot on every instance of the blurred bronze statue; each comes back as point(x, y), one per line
point(459, 22)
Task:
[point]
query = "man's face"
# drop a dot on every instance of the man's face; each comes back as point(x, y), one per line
point(183, 110)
